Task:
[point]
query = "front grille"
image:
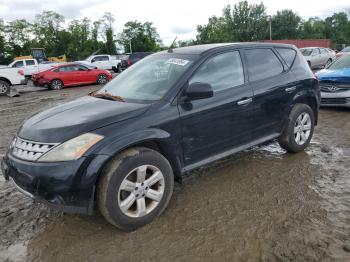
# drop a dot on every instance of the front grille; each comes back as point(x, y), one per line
point(335, 101)
point(30, 150)
point(333, 87)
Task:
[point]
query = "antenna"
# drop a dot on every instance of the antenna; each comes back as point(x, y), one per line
point(170, 50)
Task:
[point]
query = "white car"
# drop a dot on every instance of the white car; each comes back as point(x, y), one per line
point(10, 77)
point(318, 57)
point(106, 62)
point(30, 66)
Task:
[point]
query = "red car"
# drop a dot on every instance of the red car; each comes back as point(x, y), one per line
point(70, 75)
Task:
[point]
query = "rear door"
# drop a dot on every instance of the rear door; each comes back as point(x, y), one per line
point(84, 75)
point(217, 124)
point(316, 57)
point(273, 86)
point(67, 74)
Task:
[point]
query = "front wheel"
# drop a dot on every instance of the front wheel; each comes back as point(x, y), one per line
point(135, 188)
point(300, 128)
point(4, 88)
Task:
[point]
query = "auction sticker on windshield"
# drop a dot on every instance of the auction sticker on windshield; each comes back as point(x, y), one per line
point(177, 61)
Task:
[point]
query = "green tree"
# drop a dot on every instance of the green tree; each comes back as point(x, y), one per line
point(17, 34)
point(242, 22)
point(143, 37)
point(47, 27)
point(285, 25)
point(338, 28)
point(110, 42)
point(313, 28)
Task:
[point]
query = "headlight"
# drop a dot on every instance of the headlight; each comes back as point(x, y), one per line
point(71, 149)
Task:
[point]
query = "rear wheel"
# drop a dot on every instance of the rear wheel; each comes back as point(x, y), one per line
point(135, 188)
point(56, 84)
point(298, 133)
point(102, 79)
point(4, 88)
point(329, 61)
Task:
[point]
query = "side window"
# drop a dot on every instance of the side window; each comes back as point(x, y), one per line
point(80, 68)
point(323, 51)
point(18, 64)
point(95, 59)
point(287, 54)
point(221, 72)
point(30, 62)
point(262, 63)
point(66, 69)
point(316, 51)
point(104, 58)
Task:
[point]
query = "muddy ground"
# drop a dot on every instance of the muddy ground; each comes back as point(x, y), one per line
point(259, 205)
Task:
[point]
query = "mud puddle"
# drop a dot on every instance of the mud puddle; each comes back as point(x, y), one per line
point(260, 205)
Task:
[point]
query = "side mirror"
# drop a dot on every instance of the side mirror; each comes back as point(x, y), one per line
point(199, 90)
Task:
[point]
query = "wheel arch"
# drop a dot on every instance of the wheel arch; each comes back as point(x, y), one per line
point(310, 101)
point(155, 139)
point(6, 80)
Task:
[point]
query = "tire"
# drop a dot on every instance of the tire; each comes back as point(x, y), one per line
point(4, 88)
point(119, 68)
point(102, 79)
point(56, 84)
point(290, 140)
point(309, 63)
point(329, 61)
point(132, 165)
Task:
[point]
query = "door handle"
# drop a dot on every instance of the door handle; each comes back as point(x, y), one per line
point(244, 102)
point(291, 89)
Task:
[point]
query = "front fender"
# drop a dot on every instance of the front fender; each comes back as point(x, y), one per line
point(133, 138)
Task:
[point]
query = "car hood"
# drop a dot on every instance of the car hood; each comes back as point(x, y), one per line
point(338, 75)
point(71, 119)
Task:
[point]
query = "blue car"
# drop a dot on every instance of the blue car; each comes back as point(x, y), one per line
point(334, 83)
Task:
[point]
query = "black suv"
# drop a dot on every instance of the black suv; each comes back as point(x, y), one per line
point(133, 58)
point(123, 146)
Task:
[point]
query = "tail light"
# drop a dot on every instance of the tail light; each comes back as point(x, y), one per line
point(21, 72)
point(129, 62)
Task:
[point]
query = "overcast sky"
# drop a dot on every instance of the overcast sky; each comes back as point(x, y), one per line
point(171, 18)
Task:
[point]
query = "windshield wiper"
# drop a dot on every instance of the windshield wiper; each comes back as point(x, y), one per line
point(107, 96)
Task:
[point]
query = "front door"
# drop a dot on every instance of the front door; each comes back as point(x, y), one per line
point(217, 124)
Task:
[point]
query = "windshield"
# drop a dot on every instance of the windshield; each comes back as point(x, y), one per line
point(341, 63)
point(150, 79)
point(346, 49)
point(306, 51)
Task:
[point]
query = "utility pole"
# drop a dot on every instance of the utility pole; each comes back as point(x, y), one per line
point(269, 18)
point(130, 45)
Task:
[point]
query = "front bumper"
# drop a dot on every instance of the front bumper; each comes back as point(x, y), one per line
point(66, 186)
point(336, 99)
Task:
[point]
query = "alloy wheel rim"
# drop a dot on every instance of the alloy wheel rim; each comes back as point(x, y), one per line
point(141, 191)
point(102, 79)
point(56, 85)
point(302, 128)
point(3, 89)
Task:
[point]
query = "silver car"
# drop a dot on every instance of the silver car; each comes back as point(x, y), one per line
point(318, 57)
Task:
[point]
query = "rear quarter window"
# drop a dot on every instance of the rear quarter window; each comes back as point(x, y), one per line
point(287, 54)
point(262, 63)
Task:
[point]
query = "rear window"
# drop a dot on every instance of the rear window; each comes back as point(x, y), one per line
point(262, 63)
point(287, 54)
